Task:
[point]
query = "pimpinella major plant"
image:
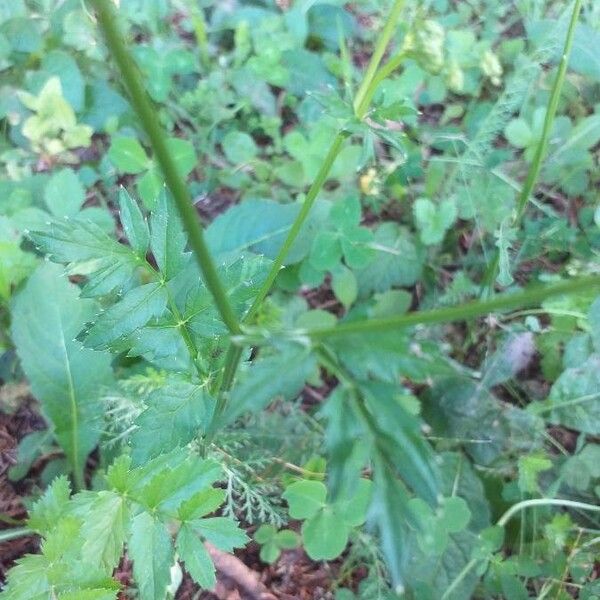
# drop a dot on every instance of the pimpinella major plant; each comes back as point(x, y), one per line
point(193, 303)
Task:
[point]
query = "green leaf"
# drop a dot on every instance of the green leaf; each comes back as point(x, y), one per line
point(223, 532)
point(151, 550)
point(258, 387)
point(433, 221)
point(65, 377)
point(305, 498)
point(133, 311)
point(239, 147)
point(90, 251)
point(183, 154)
point(167, 238)
point(128, 155)
point(46, 512)
point(134, 224)
point(518, 133)
point(574, 401)
point(325, 535)
point(200, 504)
point(259, 226)
point(64, 194)
point(196, 558)
point(176, 413)
point(397, 261)
point(103, 531)
point(326, 251)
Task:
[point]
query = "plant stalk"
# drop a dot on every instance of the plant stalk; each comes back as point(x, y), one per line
point(360, 106)
point(12, 534)
point(469, 310)
point(149, 120)
point(371, 80)
point(540, 152)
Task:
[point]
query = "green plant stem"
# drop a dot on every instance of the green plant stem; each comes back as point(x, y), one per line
point(383, 73)
point(540, 152)
point(384, 39)
point(507, 516)
point(149, 120)
point(516, 508)
point(469, 310)
point(12, 534)
point(371, 80)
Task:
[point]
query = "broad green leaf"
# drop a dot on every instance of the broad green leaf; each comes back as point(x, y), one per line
point(574, 399)
point(200, 504)
point(305, 498)
point(518, 133)
point(183, 154)
point(260, 226)
point(65, 377)
point(257, 387)
point(133, 311)
point(196, 558)
point(134, 223)
point(64, 194)
point(239, 147)
point(151, 550)
point(167, 239)
point(90, 594)
point(397, 261)
point(344, 285)
point(326, 251)
point(175, 414)
point(433, 221)
point(325, 535)
point(223, 532)
point(128, 155)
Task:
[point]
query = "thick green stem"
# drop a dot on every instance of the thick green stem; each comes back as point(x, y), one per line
point(469, 310)
point(360, 106)
point(540, 152)
point(149, 120)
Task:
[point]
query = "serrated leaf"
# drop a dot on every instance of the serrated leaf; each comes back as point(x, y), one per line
point(196, 558)
point(128, 155)
point(258, 387)
point(176, 413)
point(64, 376)
point(151, 550)
point(134, 223)
point(90, 594)
point(222, 532)
point(45, 513)
point(133, 311)
point(200, 504)
point(88, 250)
point(174, 483)
point(103, 531)
point(167, 238)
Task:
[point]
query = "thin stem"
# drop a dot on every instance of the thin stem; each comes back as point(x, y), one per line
point(536, 165)
point(363, 97)
point(513, 510)
point(458, 579)
point(12, 534)
point(149, 120)
point(382, 43)
point(383, 73)
point(311, 196)
point(468, 310)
